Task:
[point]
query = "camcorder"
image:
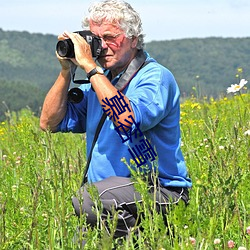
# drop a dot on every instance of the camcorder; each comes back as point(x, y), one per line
point(65, 48)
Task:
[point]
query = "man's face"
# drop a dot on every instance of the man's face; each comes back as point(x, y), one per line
point(118, 50)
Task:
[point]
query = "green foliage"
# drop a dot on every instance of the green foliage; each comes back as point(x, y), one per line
point(218, 152)
point(40, 172)
point(14, 95)
point(37, 181)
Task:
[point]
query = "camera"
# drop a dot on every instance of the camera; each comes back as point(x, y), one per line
point(75, 95)
point(65, 48)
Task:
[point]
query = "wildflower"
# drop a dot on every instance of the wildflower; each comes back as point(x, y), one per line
point(45, 216)
point(242, 248)
point(198, 182)
point(216, 241)
point(195, 106)
point(240, 70)
point(132, 162)
point(123, 159)
point(192, 240)
point(230, 244)
point(71, 167)
point(247, 133)
point(221, 147)
point(14, 188)
point(248, 230)
point(237, 87)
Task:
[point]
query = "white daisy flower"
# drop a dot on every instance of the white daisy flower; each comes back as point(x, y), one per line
point(236, 87)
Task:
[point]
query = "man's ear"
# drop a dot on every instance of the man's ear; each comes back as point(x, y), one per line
point(134, 42)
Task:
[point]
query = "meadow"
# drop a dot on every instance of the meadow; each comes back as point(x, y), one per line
point(40, 172)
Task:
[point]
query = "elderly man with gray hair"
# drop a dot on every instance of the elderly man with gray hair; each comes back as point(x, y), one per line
point(137, 101)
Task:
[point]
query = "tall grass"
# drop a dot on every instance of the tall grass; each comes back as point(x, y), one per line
point(40, 172)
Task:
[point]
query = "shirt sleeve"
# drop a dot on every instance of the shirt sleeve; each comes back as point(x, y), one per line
point(154, 96)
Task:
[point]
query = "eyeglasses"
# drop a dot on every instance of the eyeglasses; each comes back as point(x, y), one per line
point(110, 38)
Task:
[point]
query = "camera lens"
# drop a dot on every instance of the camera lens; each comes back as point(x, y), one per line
point(65, 48)
point(75, 95)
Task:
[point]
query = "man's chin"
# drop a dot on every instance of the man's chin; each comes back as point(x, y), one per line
point(105, 63)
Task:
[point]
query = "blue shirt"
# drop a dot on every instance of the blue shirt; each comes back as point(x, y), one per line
point(154, 97)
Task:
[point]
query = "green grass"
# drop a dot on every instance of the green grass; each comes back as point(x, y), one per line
point(40, 172)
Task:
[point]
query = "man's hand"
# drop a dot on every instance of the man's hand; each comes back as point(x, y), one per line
point(83, 54)
point(66, 63)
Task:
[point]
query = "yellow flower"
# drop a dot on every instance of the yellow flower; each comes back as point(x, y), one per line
point(195, 105)
point(240, 70)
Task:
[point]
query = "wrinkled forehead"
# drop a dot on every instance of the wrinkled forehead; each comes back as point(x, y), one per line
point(101, 20)
point(103, 26)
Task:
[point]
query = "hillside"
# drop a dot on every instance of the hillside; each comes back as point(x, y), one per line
point(28, 57)
point(210, 63)
point(28, 66)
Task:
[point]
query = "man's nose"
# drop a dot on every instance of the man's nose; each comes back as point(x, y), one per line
point(104, 44)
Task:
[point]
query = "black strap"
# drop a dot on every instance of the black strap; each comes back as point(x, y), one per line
point(136, 64)
point(97, 132)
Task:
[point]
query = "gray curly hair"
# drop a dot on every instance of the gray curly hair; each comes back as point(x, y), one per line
point(120, 12)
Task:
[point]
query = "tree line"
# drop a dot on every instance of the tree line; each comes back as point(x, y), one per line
point(202, 67)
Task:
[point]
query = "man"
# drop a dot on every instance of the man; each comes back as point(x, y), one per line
point(142, 121)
